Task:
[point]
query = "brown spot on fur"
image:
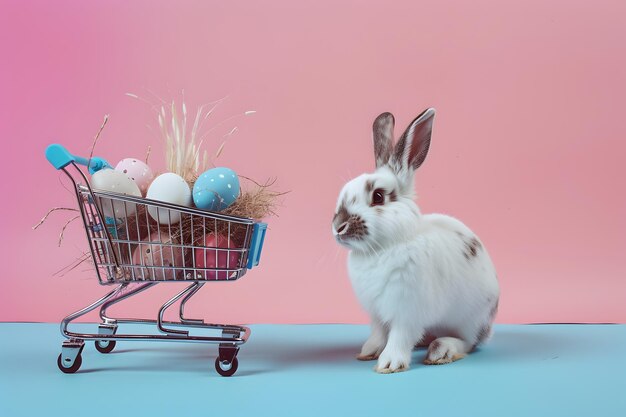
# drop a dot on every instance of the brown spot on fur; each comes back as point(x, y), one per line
point(483, 334)
point(379, 210)
point(472, 246)
point(357, 228)
point(393, 196)
point(369, 187)
point(342, 214)
point(485, 330)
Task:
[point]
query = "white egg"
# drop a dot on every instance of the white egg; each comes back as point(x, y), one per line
point(169, 188)
point(116, 182)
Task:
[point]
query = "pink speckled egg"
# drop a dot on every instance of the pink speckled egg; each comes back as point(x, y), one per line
point(116, 182)
point(137, 171)
point(160, 251)
point(216, 258)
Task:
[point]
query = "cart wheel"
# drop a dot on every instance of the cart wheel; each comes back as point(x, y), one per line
point(77, 362)
point(224, 368)
point(105, 346)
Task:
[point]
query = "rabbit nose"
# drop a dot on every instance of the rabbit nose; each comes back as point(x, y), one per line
point(343, 228)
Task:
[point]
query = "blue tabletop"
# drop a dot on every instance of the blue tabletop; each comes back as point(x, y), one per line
point(310, 370)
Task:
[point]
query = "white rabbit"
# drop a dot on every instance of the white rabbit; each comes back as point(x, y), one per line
point(423, 279)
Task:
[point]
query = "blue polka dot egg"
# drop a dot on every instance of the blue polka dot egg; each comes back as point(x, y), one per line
point(216, 189)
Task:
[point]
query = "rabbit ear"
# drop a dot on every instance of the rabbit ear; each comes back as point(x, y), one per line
point(412, 148)
point(383, 138)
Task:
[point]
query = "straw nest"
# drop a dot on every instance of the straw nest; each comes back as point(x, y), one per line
point(256, 203)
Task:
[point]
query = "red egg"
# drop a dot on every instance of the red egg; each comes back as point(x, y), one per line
point(210, 257)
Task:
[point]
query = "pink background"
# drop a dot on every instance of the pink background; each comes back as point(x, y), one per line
point(528, 147)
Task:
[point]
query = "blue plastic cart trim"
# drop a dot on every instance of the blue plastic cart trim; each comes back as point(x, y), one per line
point(256, 244)
point(59, 157)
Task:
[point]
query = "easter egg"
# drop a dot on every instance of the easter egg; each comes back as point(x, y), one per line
point(210, 257)
point(216, 189)
point(169, 188)
point(117, 182)
point(156, 255)
point(137, 171)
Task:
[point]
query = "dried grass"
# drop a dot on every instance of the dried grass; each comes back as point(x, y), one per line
point(184, 137)
point(258, 203)
point(183, 157)
point(95, 139)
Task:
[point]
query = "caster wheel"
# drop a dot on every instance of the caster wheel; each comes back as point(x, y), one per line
point(226, 369)
point(105, 346)
point(77, 362)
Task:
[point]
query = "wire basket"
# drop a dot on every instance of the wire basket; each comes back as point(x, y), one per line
point(147, 240)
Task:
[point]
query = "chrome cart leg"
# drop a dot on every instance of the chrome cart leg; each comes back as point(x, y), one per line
point(70, 359)
point(226, 363)
point(67, 320)
point(106, 346)
point(108, 320)
point(181, 314)
point(109, 325)
point(165, 306)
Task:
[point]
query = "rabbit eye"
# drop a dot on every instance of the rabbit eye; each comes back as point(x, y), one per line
point(378, 197)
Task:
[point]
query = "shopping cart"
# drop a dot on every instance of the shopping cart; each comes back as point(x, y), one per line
point(135, 252)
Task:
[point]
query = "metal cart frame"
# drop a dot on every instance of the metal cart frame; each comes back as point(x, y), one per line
point(187, 258)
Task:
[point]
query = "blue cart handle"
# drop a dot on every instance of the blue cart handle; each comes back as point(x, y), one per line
point(59, 157)
point(256, 244)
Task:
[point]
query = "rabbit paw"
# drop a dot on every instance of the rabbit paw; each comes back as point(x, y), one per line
point(440, 353)
point(389, 363)
point(371, 348)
